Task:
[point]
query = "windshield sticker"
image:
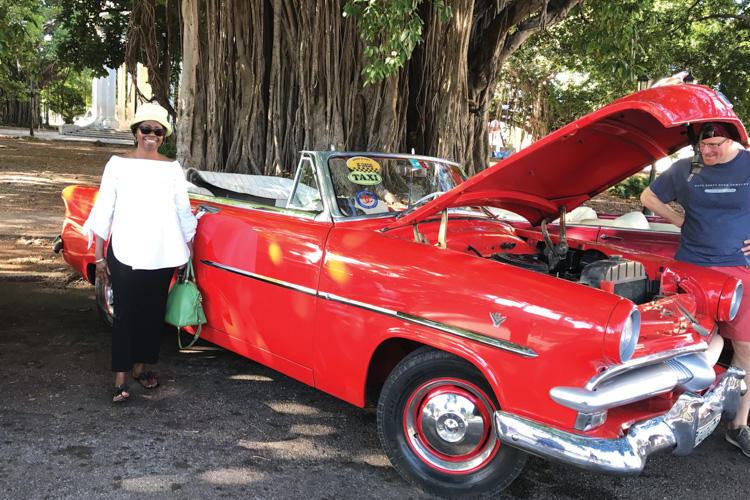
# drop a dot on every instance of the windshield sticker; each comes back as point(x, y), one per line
point(362, 164)
point(415, 163)
point(365, 179)
point(366, 199)
point(364, 171)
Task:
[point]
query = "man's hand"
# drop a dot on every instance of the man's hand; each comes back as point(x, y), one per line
point(746, 248)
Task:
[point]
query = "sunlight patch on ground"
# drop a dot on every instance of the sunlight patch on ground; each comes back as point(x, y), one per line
point(299, 448)
point(22, 179)
point(293, 408)
point(312, 430)
point(252, 378)
point(374, 459)
point(232, 476)
point(149, 484)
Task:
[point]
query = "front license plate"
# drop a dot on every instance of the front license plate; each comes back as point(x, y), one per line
point(707, 429)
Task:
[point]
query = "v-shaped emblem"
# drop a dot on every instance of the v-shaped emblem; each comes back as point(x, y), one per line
point(497, 319)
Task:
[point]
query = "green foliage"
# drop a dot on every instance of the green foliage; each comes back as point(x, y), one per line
point(597, 53)
point(92, 34)
point(67, 98)
point(21, 40)
point(391, 30)
point(632, 187)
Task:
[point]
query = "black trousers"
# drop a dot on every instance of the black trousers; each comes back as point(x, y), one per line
point(140, 301)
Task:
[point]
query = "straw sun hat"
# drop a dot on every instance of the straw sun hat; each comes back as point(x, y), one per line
point(152, 112)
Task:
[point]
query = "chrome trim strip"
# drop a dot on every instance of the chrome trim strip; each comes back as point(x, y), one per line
point(265, 279)
point(452, 330)
point(449, 329)
point(651, 359)
point(690, 420)
point(249, 205)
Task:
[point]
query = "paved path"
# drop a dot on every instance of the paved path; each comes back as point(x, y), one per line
point(55, 135)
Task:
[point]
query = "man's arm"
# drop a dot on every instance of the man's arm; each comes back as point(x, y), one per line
point(653, 203)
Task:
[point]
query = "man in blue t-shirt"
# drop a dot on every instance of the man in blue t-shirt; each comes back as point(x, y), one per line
point(715, 233)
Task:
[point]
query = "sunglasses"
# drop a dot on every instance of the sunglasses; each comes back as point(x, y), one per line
point(704, 144)
point(158, 132)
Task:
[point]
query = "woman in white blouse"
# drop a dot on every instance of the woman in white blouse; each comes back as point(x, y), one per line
point(144, 210)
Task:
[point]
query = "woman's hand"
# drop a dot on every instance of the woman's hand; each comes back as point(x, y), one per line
point(190, 247)
point(102, 271)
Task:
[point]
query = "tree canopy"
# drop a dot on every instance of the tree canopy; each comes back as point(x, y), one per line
point(262, 80)
point(599, 51)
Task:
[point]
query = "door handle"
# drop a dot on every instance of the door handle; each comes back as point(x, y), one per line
point(206, 209)
point(605, 237)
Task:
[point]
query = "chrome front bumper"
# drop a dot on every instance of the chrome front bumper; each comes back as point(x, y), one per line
point(690, 420)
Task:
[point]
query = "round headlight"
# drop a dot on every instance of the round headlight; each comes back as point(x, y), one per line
point(629, 337)
point(734, 306)
point(730, 299)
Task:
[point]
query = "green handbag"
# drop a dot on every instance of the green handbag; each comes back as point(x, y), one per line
point(184, 306)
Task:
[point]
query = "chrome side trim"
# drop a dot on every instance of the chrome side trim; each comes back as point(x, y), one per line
point(652, 359)
point(249, 205)
point(449, 329)
point(265, 279)
point(690, 420)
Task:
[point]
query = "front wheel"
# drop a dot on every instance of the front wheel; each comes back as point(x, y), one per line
point(435, 425)
point(105, 301)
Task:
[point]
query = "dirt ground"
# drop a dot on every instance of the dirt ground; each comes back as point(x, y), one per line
point(220, 426)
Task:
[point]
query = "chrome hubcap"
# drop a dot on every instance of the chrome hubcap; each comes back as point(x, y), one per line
point(448, 423)
point(109, 299)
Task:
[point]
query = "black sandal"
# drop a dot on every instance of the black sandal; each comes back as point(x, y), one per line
point(145, 379)
point(121, 394)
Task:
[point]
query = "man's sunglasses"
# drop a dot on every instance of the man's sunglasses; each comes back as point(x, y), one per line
point(158, 132)
point(704, 144)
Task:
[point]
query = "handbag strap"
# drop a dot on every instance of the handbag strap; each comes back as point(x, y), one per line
point(189, 273)
point(197, 334)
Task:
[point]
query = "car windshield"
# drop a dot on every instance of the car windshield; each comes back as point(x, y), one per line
point(366, 185)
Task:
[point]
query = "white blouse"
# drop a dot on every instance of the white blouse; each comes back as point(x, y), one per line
point(145, 205)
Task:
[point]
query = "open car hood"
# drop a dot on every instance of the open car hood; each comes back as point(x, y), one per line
point(591, 154)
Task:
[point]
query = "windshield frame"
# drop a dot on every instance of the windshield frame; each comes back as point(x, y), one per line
point(324, 157)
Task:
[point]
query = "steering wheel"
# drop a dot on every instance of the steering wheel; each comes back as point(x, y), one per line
point(427, 197)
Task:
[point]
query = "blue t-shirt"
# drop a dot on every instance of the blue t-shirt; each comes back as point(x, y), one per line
point(717, 210)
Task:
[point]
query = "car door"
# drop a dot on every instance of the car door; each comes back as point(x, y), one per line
point(258, 268)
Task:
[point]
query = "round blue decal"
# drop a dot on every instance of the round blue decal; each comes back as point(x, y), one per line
point(366, 199)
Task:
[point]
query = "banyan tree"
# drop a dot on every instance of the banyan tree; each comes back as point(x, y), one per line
point(264, 79)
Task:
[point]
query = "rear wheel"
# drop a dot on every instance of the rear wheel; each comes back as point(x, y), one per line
point(435, 425)
point(105, 301)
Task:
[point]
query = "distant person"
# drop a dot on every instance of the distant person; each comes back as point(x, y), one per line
point(143, 207)
point(715, 232)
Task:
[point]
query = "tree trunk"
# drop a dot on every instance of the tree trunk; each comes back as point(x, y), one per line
point(190, 134)
point(269, 78)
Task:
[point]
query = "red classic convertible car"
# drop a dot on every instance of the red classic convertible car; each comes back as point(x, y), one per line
point(383, 279)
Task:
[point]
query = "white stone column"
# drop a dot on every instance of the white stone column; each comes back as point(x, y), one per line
point(94, 98)
point(122, 78)
point(143, 85)
point(109, 103)
point(101, 103)
point(130, 107)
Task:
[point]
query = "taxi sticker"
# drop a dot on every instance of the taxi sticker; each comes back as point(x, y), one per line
point(366, 199)
point(365, 179)
point(362, 164)
point(364, 171)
